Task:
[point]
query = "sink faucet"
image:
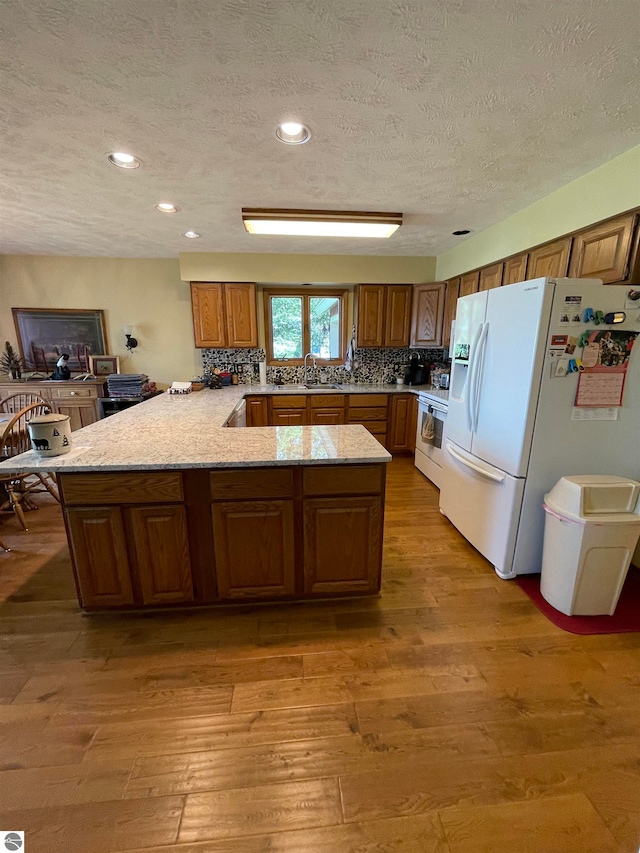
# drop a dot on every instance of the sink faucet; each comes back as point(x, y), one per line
point(313, 358)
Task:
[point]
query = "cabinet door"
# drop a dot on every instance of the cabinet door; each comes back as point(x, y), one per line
point(491, 277)
point(402, 434)
point(370, 315)
point(208, 314)
point(242, 317)
point(397, 315)
point(161, 548)
point(469, 283)
point(99, 554)
point(288, 417)
point(254, 548)
point(327, 416)
point(452, 291)
point(603, 251)
point(257, 412)
point(80, 414)
point(428, 309)
point(342, 544)
point(551, 260)
point(515, 269)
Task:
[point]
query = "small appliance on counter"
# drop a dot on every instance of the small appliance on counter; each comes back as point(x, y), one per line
point(416, 372)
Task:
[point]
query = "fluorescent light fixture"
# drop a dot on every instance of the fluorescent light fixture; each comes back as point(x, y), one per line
point(320, 223)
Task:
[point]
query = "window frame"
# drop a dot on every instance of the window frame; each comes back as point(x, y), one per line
point(306, 293)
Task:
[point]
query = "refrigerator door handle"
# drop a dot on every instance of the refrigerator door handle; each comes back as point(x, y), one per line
point(468, 389)
point(482, 348)
point(498, 478)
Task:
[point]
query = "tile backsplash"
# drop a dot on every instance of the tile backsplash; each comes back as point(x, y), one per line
point(370, 365)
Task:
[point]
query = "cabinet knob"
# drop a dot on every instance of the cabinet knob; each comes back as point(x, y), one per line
point(73, 393)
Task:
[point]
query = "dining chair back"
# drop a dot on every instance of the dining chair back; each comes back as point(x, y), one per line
point(14, 402)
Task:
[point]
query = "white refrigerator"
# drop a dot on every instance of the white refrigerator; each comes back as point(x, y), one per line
point(513, 429)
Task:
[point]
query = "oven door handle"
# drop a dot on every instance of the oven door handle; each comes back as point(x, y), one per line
point(498, 478)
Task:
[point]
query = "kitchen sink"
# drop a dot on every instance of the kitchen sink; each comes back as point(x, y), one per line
point(319, 387)
point(322, 387)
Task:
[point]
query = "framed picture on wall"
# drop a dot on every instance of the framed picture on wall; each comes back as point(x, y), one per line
point(44, 334)
point(103, 365)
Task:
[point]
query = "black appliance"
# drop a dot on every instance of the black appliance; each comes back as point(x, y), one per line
point(416, 372)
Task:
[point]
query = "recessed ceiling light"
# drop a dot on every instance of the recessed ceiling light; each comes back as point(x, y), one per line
point(167, 207)
point(461, 232)
point(293, 133)
point(191, 235)
point(320, 223)
point(123, 161)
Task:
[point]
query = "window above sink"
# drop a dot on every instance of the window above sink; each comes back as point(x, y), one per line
point(298, 321)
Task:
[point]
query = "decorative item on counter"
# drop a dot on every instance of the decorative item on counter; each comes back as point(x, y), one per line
point(278, 380)
point(180, 388)
point(62, 372)
point(10, 362)
point(196, 386)
point(50, 434)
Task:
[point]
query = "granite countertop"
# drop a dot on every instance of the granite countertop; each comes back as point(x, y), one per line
point(187, 431)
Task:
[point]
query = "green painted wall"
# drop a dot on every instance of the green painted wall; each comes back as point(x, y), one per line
point(611, 188)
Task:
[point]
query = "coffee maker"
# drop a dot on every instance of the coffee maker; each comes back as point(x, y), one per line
point(416, 372)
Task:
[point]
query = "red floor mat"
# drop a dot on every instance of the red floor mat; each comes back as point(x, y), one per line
point(625, 620)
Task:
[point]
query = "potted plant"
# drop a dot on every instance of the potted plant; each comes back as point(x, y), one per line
point(10, 362)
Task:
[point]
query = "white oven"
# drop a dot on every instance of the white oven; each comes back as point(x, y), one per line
point(430, 455)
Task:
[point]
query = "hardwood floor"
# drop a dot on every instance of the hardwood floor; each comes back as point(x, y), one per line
point(447, 716)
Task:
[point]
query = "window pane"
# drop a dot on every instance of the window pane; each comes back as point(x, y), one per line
point(286, 326)
point(324, 326)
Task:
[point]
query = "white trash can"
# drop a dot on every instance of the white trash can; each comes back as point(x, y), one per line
point(591, 529)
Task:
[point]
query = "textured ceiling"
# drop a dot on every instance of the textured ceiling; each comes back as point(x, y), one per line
point(455, 112)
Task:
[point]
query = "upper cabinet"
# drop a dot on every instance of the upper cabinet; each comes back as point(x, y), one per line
point(469, 283)
point(550, 260)
point(491, 277)
point(224, 315)
point(428, 310)
point(604, 250)
point(383, 315)
point(452, 291)
point(515, 269)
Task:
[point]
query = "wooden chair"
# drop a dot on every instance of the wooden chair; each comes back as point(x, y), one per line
point(15, 402)
point(20, 486)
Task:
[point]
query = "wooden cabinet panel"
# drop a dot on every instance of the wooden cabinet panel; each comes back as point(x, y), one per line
point(397, 315)
point(251, 483)
point(289, 417)
point(121, 488)
point(327, 480)
point(491, 277)
point(254, 549)
point(342, 544)
point(469, 283)
point(452, 292)
point(361, 415)
point(551, 260)
point(207, 305)
point(428, 310)
point(370, 324)
point(326, 401)
point(78, 400)
point(515, 269)
point(257, 414)
point(603, 251)
point(327, 417)
point(402, 432)
point(78, 415)
point(365, 401)
point(160, 547)
point(241, 315)
point(289, 401)
point(99, 552)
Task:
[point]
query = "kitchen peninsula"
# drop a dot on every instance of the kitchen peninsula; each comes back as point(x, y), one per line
point(165, 506)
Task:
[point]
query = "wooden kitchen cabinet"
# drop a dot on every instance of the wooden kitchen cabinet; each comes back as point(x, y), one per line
point(160, 553)
point(288, 410)
point(383, 315)
point(550, 260)
point(327, 416)
point(77, 399)
point(99, 550)
point(254, 545)
point(402, 431)
point(469, 283)
point(515, 269)
point(491, 276)
point(224, 315)
point(428, 310)
point(257, 412)
point(452, 292)
point(342, 544)
point(603, 251)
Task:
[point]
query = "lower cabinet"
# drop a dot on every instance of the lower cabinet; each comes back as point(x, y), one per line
point(254, 548)
point(327, 417)
point(160, 552)
point(402, 433)
point(257, 412)
point(342, 544)
point(99, 550)
point(289, 417)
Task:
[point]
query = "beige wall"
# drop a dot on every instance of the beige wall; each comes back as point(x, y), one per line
point(280, 269)
point(610, 189)
point(145, 293)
